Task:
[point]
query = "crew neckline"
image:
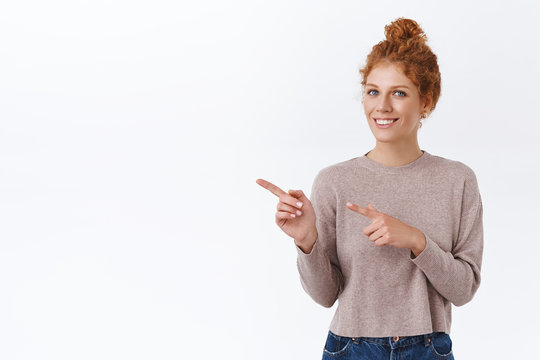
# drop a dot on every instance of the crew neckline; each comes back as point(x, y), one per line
point(373, 165)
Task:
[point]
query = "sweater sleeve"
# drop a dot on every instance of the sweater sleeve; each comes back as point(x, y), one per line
point(456, 274)
point(320, 273)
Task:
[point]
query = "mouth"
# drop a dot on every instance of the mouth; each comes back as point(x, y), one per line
point(384, 123)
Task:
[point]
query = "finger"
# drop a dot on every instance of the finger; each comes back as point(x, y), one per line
point(271, 187)
point(382, 241)
point(285, 215)
point(290, 200)
point(288, 208)
point(371, 228)
point(377, 235)
point(372, 212)
point(368, 212)
point(359, 209)
point(297, 193)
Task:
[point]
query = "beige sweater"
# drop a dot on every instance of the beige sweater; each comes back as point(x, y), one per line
point(384, 290)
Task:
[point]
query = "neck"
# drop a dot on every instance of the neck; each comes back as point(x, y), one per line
point(394, 155)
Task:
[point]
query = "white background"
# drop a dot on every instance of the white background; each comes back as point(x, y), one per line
point(132, 133)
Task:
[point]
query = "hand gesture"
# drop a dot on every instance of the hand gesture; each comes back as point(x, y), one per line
point(295, 215)
point(387, 230)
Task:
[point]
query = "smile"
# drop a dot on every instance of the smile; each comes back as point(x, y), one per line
point(383, 123)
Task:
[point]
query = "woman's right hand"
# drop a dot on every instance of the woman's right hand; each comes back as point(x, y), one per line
point(296, 220)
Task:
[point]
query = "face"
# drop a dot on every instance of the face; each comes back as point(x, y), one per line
point(390, 94)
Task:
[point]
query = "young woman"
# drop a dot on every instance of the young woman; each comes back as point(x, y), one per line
point(397, 264)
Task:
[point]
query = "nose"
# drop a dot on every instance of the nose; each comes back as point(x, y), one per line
point(384, 104)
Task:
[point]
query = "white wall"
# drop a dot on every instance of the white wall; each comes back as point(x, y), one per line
point(132, 133)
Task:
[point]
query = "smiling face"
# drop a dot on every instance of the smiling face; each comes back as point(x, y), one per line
point(389, 94)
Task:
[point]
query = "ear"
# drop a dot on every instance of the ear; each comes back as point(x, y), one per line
point(426, 104)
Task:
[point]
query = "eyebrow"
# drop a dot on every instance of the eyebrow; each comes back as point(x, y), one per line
point(393, 87)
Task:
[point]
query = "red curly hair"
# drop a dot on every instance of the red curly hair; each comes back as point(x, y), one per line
point(405, 46)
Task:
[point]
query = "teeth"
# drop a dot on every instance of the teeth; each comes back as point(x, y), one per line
point(384, 122)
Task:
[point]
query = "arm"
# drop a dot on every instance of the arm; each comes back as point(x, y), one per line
point(320, 273)
point(456, 274)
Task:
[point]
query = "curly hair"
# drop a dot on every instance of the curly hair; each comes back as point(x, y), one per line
point(405, 46)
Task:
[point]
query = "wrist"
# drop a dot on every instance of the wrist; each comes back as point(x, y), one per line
point(419, 244)
point(307, 243)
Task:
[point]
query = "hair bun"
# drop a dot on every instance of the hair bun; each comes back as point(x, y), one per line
point(401, 30)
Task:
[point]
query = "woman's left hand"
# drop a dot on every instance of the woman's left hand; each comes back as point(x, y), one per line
point(387, 230)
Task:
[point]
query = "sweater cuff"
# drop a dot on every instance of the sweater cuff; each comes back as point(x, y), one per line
point(428, 258)
point(314, 250)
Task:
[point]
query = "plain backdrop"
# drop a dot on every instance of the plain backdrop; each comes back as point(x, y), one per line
point(132, 133)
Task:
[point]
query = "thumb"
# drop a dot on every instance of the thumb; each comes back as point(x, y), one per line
point(297, 193)
point(371, 207)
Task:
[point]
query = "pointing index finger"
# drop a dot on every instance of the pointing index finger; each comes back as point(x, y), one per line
point(271, 187)
point(366, 211)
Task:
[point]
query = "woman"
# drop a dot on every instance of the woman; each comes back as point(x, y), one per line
point(398, 264)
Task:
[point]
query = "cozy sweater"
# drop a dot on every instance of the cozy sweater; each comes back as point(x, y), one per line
point(384, 290)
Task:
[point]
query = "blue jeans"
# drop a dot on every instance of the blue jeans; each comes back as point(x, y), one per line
point(436, 345)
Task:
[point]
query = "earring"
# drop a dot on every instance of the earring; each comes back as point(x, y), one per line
point(420, 125)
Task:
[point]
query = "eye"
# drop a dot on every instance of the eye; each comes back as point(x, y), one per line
point(401, 92)
point(369, 92)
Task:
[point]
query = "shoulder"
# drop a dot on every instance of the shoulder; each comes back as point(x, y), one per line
point(335, 172)
point(458, 170)
point(463, 179)
point(331, 178)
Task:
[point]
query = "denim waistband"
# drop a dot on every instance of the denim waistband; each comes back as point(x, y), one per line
point(395, 341)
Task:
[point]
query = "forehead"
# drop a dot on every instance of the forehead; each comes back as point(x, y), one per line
point(387, 75)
